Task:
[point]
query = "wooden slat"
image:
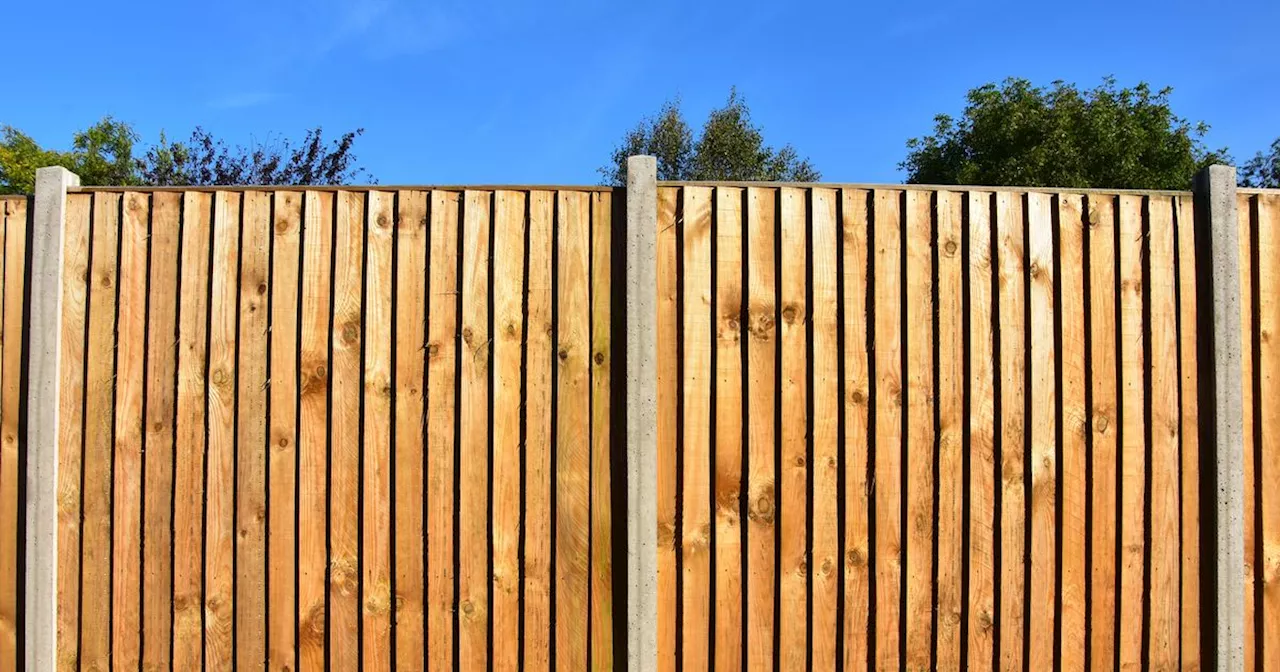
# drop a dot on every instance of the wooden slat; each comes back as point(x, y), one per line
point(601, 472)
point(1043, 424)
point(508, 320)
point(282, 605)
point(572, 446)
point(728, 418)
point(824, 556)
point(344, 427)
point(375, 531)
point(410, 425)
point(442, 376)
point(1248, 304)
point(15, 244)
point(219, 579)
point(665, 431)
point(1268, 405)
point(951, 372)
point(189, 456)
point(1132, 430)
point(857, 389)
point(1074, 432)
point(313, 421)
point(1011, 267)
point(761, 402)
point(157, 551)
point(982, 432)
point(1104, 420)
point(75, 301)
point(920, 455)
point(1190, 432)
point(126, 495)
point(537, 445)
point(793, 568)
point(250, 451)
point(887, 275)
point(473, 446)
point(1165, 584)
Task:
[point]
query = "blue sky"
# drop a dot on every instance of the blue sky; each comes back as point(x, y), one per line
point(486, 91)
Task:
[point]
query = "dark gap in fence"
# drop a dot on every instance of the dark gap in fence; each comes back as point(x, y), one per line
point(904, 423)
point(1147, 432)
point(997, 437)
point(1177, 330)
point(870, 344)
point(555, 424)
point(713, 305)
point(1086, 271)
point(618, 427)
point(935, 447)
point(266, 433)
point(522, 515)
point(841, 462)
point(297, 425)
point(808, 560)
point(966, 423)
point(1255, 338)
point(678, 539)
point(1027, 413)
point(393, 354)
point(1055, 219)
point(1116, 286)
point(745, 326)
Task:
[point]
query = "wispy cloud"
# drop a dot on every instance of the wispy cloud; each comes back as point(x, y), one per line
point(240, 100)
point(379, 29)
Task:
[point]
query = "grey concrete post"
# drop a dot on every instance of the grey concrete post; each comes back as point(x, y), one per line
point(43, 358)
point(1221, 417)
point(641, 307)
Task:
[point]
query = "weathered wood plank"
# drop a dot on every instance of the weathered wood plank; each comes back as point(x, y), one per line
point(1189, 436)
point(189, 456)
point(728, 423)
point(313, 439)
point(668, 402)
point(1011, 268)
point(920, 455)
point(14, 244)
point(1043, 423)
point(573, 435)
point(951, 372)
point(887, 276)
point(410, 429)
point(375, 552)
point(1248, 303)
point(793, 567)
point(1074, 457)
point(825, 466)
point(857, 390)
point(761, 403)
point(1133, 449)
point(538, 467)
point(1268, 409)
point(982, 432)
point(601, 473)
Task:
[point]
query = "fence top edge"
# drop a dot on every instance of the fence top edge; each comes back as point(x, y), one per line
point(930, 187)
point(1261, 192)
point(336, 188)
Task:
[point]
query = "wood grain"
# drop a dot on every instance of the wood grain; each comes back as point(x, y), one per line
point(887, 277)
point(538, 468)
point(825, 465)
point(950, 401)
point(1268, 409)
point(1248, 304)
point(1043, 423)
point(1189, 436)
point(602, 656)
point(983, 462)
point(920, 456)
point(761, 403)
point(857, 391)
point(728, 426)
point(1132, 429)
point(1075, 428)
point(793, 567)
point(1011, 266)
point(667, 324)
point(15, 272)
point(8, 499)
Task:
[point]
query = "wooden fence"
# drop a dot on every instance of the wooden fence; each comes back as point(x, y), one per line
point(1259, 213)
point(335, 429)
point(14, 219)
point(926, 429)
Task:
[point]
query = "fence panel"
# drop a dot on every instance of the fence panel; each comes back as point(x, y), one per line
point(16, 212)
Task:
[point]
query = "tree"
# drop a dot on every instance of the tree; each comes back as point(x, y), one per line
point(1018, 134)
point(104, 154)
point(1263, 170)
point(730, 147)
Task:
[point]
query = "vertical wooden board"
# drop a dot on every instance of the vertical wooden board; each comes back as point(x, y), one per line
point(1043, 424)
point(250, 455)
point(1104, 421)
point(189, 453)
point(1248, 304)
point(728, 424)
point(473, 455)
point(920, 455)
point(219, 579)
point(601, 472)
point(668, 401)
point(1190, 432)
point(887, 277)
point(1011, 266)
point(572, 449)
point(857, 546)
point(410, 424)
point(375, 504)
point(537, 444)
point(1132, 431)
point(1268, 405)
point(75, 300)
point(696, 450)
point(126, 495)
point(508, 320)
point(793, 568)
point(15, 244)
point(824, 557)
point(442, 404)
point(761, 403)
point(982, 433)
point(344, 427)
point(951, 486)
point(157, 551)
point(282, 461)
point(1074, 432)
point(1165, 586)
point(313, 428)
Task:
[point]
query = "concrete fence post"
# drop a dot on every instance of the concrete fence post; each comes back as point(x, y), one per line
point(1218, 305)
point(641, 307)
point(43, 378)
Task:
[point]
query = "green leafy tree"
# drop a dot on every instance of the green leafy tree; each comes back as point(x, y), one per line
point(730, 147)
point(1106, 137)
point(1263, 170)
point(100, 154)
